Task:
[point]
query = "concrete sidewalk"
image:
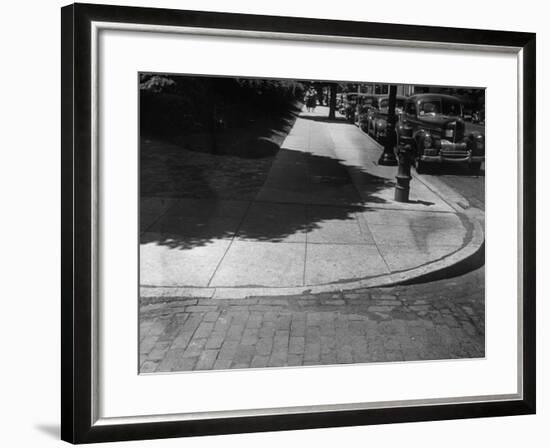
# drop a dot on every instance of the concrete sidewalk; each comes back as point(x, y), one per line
point(324, 220)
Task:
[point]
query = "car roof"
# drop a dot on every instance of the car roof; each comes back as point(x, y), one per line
point(428, 96)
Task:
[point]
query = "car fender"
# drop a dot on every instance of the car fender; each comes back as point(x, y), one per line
point(380, 123)
point(418, 138)
point(474, 140)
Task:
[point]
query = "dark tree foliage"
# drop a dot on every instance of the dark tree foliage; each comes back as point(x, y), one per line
point(172, 104)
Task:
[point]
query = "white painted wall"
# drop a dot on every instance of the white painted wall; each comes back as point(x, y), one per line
point(29, 228)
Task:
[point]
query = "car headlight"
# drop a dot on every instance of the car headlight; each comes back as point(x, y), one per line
point(449, 133)
point(428, 141)
point(480, 142)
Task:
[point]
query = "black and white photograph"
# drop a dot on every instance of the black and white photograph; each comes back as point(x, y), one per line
point(275, 224)
point(295, 222)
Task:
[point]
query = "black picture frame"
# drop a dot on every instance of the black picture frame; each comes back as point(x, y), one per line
point(77, 424)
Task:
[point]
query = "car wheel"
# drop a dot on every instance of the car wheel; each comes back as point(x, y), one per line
point(475, 167)
point(421, 167)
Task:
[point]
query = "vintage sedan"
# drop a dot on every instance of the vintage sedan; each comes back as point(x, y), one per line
point(376, 120)
point(432, 125)
point(354, 104)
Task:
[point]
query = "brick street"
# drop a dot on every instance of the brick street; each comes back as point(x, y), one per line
point(437, 320)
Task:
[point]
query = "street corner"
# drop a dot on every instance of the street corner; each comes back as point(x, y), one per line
point(289, 225)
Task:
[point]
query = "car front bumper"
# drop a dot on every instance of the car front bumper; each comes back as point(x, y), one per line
point(446, 159)
point(451, 153)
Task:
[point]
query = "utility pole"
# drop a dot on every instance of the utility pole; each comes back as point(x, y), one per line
point(332, 101)
point(388, 156)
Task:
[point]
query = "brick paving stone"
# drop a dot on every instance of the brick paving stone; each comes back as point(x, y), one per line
point(327, 329)
point(235, 365)
point(211, 316)
point(296, 345)
point(312, 351)
point(259, 361)
point(281, 340)
point(254, 321)
point(469, 328)
point(222, 324)
point(204, 330)
point(192, 323)
point(201, 308)
point(329, 358)
point(266, 331)
point(352, 295)
point(215, 341)
point(185, 364)
point(264, 346)
point(328, 344)
point(228, 350)
point(243, 355)
point(147, 344)
point(379, 308)
point(222, 364)
point(278, 358)
point(235, 332)
point(159, 351)
point(394, 355)
point(148, 367)
point(171, 361)
point(313, 333)
point(182, 339)
point(294, 360)
point(271, 301)
point(247, 332)
point(249, 339)
point(194, 348)
point(344, 355)
point(206, 360)
point(444, 320)
point(283, 322)
point(298, 328)
point(387, 303)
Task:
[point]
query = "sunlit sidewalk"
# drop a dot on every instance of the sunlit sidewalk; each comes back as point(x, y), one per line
point(324, 216)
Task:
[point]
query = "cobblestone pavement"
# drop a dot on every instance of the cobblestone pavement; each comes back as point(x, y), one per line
point(438, 320)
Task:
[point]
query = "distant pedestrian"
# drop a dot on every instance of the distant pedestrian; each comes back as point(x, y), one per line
point(311, 100)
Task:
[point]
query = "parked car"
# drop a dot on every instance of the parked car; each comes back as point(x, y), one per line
point(354, 103)
point(433, 126)
point(365, 103)
point(376, 119)
point(478, 117)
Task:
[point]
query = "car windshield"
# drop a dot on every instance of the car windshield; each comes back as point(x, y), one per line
point(399, 102)
point(439, 106)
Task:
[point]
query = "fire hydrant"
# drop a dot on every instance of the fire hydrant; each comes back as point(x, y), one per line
point(403, 177)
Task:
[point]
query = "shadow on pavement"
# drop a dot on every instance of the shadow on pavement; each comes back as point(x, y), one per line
point(220, 197)
point(456, 169)
point(323, 119)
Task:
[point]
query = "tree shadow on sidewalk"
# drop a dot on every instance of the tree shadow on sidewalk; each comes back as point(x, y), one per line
point(220, 197)
point(323, 119)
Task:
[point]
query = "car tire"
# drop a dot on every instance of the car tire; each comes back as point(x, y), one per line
point(421, 167)
point(475, 167)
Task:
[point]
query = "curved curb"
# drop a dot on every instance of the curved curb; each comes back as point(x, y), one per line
point(448, 265)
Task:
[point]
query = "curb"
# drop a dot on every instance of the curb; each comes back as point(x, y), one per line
point(449, 265)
